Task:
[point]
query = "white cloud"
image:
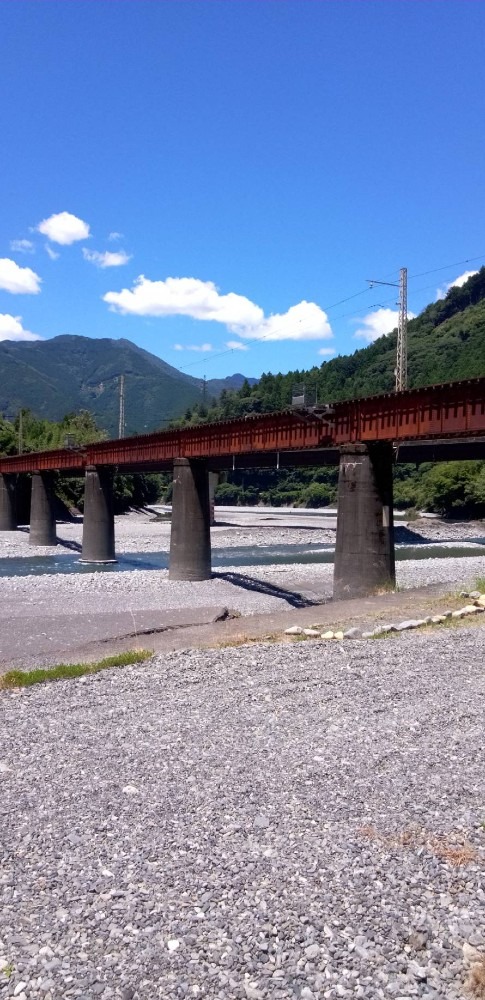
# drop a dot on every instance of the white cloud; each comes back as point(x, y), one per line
point(236, 345)
point(379, 323)
point(64, 228)
point(457, 283)
point(22, 246)
point(11, 329)
point(193, 347)
point(18, 280)
point(115, 236)
point(53, 254)
point(202, 300)
point(106, 259)
point(327, 352)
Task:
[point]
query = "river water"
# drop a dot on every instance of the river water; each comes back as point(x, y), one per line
point(244, 555)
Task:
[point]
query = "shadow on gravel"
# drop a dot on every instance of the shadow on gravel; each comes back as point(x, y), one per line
point(249, 583)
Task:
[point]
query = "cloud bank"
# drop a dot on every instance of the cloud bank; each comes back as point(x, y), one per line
point(378, 323)
point(457, 283)
point(193, 347)
point(11, 329)
point(18, 280)
point(64, 229)
point(202, 300)
point(107, 259)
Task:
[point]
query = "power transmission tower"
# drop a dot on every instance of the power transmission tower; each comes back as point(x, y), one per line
point(402, 333)
point(121, 425)
point(401, 370)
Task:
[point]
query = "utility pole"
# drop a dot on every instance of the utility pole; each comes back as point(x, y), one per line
point(121, 425)
point(401, 370)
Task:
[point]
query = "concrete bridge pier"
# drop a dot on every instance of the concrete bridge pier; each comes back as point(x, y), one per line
point(8, 518)
point(190, 545)
point(42, 516)
point(364, 550)
point(98, 521)
point(213, 483)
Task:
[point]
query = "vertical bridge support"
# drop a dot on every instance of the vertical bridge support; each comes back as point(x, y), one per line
point(8, 519)
point(42, 516)
point(190, 545)
point(98, 520)
point(364, 551)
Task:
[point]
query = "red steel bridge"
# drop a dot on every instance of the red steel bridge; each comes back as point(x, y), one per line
point(423, 422)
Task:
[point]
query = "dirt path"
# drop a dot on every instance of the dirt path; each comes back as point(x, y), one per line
point(91, 637)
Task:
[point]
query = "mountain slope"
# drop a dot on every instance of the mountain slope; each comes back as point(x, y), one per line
point(445, 342)
point(70, 373)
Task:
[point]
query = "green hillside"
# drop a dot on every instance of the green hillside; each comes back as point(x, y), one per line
point(69, 373)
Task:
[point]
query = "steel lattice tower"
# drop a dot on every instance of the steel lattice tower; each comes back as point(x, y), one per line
point(402, 333)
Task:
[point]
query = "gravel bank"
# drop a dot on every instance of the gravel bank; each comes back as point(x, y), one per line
point(248, 823)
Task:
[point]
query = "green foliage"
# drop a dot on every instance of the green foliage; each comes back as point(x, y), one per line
point(317, 495)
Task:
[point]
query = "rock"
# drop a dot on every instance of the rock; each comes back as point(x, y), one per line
point(352, 633)
point(481, 601)
point(339, 635)
point(470, 609)
point(312, 951)
point(261, 822)
point(294, 630)
point(417, 972)
point(130, 790)
point(313, 632)
point(437, 619)
point(19, 988)
point(173, 944)
point(327, 635)
point(368, 635)
point(410, 623)
point(471, 954)
point(475, 595)
point(457, 614)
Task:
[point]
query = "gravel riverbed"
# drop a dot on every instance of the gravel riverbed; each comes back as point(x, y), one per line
point(259, 823)
point(251, 589)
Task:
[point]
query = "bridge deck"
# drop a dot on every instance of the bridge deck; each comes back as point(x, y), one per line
point(450, 412)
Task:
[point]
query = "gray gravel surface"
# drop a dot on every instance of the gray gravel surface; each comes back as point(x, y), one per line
point(254, 822)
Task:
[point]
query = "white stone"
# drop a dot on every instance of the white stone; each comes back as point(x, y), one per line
point(352, 633)
point(173, 944)
point(130, 790)
point(294, 630)
point(311, 632)
point(328, 635)
point(339, 635)
point(19, 988)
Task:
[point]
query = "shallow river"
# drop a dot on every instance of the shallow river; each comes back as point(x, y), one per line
point(261, 555)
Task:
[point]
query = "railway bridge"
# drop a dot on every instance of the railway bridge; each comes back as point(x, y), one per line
point(365, 436)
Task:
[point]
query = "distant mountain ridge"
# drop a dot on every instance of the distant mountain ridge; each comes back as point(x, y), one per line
point(70, 373)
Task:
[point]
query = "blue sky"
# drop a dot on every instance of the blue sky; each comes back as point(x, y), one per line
point(203, 173)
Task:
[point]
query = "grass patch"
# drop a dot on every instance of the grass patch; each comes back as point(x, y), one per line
point(475, 984)
point(480, 584)
point(63, 671)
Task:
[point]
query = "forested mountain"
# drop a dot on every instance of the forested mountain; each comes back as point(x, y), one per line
point(69, 373)
point(445, 342)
